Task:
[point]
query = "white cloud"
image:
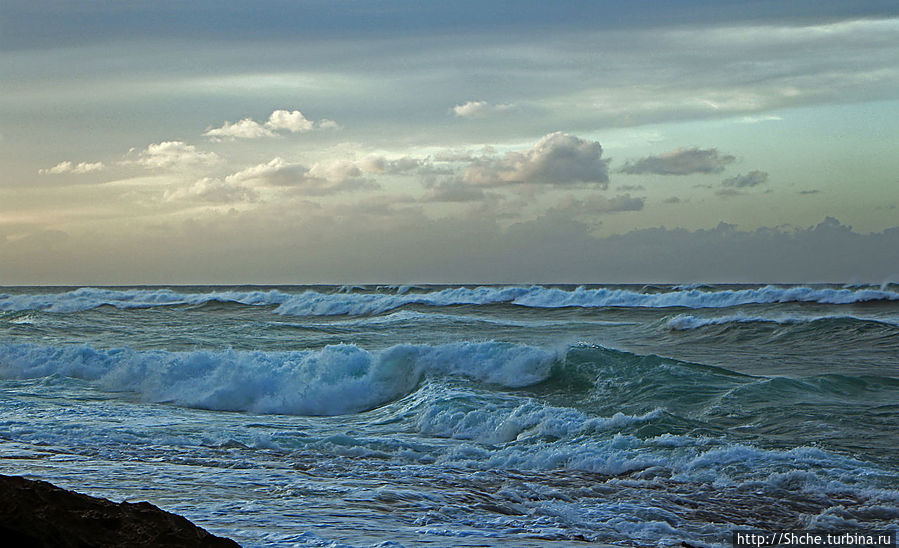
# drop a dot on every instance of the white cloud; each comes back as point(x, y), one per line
point(325, 123)
point(279, 122)
point(289, 120)
point(172, 154)
point(69, 167)
point(276, 172)
point(244, 129)
point(477, 109)
point(759, 119)
point(340, 171)
point(680, 161)
point(557, 159)
point(213, 190)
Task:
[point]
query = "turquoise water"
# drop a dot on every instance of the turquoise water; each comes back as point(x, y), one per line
point(462, 416)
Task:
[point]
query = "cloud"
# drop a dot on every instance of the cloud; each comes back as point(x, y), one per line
point(753, 178)
point(380, 164)
point(289, 120)
point(557, 159)
point(454, 155)
point(174, 154)
point(277, 172)
point(671, 200)
point(812, 191)
point(244, 129)
point(826, 252)
point(455, 191)
point(597, 205)
point(477, 109)
point(321, 178)
point(759, 119)
point(624, 188)
point(325, 123)
point(680, 161)
point(279, 122)
point(69, 167)
point(342, 172)
point(729, 192)
point(213, 190)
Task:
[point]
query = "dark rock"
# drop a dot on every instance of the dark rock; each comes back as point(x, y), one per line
point(37, 513)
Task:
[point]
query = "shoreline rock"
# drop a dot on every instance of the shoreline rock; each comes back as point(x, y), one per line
point(37, 513)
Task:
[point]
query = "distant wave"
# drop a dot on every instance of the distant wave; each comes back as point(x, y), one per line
point(87, 298)
point(684, 322)
point(336, 380)
point(410, 317)
point(347, 302)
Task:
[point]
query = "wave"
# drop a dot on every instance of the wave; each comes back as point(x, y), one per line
point(345, 378)
point(684, 322)
point(336, 380)
point(405, 318)
point(347, 301)
point(87, 298)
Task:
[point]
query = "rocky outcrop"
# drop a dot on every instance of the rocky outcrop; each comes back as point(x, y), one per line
point(37, 513)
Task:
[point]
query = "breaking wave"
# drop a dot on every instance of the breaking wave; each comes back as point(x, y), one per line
point(336, 380)
point(348, 301)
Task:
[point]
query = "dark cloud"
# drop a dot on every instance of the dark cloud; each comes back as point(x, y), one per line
point(681, 161)
point(826, 252)
point(729, 192)
point(671, 200)
point(812, 191)
point(382, 240)
point(557, 159)
point(597, 205)
point(753, 178)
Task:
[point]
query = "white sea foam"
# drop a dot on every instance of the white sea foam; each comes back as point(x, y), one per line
point(346, 301)
point(683, 322)
point(335, 380)
point(497, 425)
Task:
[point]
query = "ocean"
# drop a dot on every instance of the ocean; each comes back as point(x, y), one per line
point(463, 415)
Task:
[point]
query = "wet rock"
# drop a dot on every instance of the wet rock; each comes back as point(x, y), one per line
point(39, 514)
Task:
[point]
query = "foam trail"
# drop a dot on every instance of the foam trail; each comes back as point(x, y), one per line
point(336, 380)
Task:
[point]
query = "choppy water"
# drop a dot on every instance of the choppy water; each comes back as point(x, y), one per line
point(462, 416)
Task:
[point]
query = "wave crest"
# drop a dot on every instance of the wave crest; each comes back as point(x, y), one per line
point(336, 380)
point(350, 302)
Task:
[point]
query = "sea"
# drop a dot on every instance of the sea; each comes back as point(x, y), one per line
point(533, 415)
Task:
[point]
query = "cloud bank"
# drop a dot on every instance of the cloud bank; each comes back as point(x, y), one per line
point(378, 245)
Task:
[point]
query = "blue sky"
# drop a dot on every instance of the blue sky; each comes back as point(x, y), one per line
point(200, 142)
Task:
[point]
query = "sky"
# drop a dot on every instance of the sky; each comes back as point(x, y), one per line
point(350, 141)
